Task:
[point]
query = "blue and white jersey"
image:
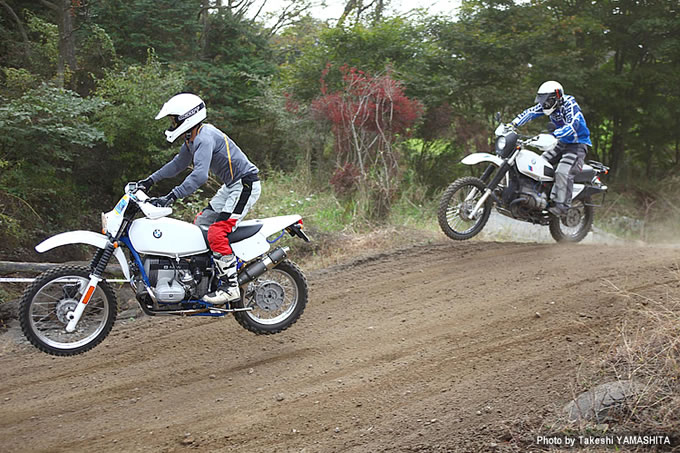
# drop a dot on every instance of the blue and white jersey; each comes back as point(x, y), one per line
point(568, 118)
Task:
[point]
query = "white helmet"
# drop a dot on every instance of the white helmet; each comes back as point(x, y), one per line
point(549, 96)
point(186, 111)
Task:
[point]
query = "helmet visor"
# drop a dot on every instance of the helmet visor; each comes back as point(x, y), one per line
point(174, 124)
point(547, 100)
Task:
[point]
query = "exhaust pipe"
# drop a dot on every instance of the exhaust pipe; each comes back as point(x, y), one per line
point(254, 270)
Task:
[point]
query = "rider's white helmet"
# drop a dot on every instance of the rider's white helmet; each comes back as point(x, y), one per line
point(549, 96)
point(186, 110)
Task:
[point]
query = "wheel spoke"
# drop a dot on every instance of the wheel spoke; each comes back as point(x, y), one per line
point(286, 301)
point(48, 314)
point(41, 320)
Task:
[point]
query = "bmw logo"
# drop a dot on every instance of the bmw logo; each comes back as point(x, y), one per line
point(157, 234)
point(533, 161)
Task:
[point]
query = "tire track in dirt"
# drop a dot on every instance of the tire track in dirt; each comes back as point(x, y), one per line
point(387, 344)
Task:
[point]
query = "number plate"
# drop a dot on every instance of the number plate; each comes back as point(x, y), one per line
point(122, 204)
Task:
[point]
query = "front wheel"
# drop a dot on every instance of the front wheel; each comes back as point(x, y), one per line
point(575, 225)
point(456, 205)
point(46, 304)
point(277, 300)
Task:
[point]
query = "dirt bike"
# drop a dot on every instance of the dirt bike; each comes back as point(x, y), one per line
point(69, 309)
point(520, 189)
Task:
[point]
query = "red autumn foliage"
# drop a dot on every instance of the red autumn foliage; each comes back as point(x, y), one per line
point(371, 102)
point(345, 179)
point(291, 106)
point(367, 116)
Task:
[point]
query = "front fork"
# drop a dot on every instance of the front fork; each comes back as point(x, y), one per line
point(99, 263)
point(500, 174)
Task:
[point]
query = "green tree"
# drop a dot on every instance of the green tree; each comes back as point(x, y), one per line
point(397, 43)
point(634, 86)
point(135, 141)
point(169, 27)
point(42, 157)
point(236, 49)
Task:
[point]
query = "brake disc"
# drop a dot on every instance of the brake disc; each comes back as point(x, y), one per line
point(269, 296)
point(572, 218)
point(64, 307)
point(466, 210)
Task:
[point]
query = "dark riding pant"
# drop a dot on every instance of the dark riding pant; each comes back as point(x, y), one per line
point(570, 157)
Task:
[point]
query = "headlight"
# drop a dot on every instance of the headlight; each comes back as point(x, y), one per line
point(500, 144)
point(103, 223)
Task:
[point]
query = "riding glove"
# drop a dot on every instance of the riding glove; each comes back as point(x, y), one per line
point(165, 201)
point(145, 184)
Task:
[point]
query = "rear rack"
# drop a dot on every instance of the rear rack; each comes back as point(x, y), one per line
point(598, 166)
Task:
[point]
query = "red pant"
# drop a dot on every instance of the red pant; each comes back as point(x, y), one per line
point(217, 236)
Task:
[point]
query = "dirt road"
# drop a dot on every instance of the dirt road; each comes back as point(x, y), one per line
point(432, 348)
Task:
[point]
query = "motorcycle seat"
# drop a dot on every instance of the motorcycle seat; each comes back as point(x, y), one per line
point(239, 234)
point(586, 175)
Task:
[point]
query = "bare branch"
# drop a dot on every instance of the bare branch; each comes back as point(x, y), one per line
point(50, 5)
point(361, 9)
point(242, 8)
point(24, 36)
point(351, 4)
point(289, 14)
point(239, 4)
point(259, 10)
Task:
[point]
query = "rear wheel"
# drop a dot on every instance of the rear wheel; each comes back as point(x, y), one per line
point(277, 299)
point(456, 205)
point(46, 304)
point(575, 225)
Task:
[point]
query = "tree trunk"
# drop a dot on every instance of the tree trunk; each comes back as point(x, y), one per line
point(351, 4)
point(379, 10)
point(20, 26)
point(205, 25)
point(617, 148)
point(65, 14)
point(67, 38)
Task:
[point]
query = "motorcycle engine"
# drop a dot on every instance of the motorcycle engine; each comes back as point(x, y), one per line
point(530, 191)
point(172, 281)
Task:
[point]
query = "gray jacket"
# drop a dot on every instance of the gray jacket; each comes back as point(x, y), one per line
point(210, 150)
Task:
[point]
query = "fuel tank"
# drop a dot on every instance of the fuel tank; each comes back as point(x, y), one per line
point(167, 237)
point(534, 166)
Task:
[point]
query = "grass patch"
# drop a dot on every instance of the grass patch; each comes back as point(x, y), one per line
point(645, 356)
point(648, 211)
point(339, 227)
point(647, 352)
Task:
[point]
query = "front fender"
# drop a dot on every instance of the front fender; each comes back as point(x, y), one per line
point(474, 159)
point(84, 237)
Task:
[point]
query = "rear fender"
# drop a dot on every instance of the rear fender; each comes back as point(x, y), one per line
point(476, 158)
point(589, 192)
point(254, 246)
point(273, 225)
point(577, 191)
point(84, 237)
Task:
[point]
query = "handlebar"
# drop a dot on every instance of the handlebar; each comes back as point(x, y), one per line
point(136, 192)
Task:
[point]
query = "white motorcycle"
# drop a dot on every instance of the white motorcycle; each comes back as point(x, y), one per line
point(520, 188)
point(69, 309)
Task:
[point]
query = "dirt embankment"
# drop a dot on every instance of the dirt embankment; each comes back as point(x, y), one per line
point(432, 348)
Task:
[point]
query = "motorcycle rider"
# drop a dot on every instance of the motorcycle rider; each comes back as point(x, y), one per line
point(208, 148)
point(573, 139)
